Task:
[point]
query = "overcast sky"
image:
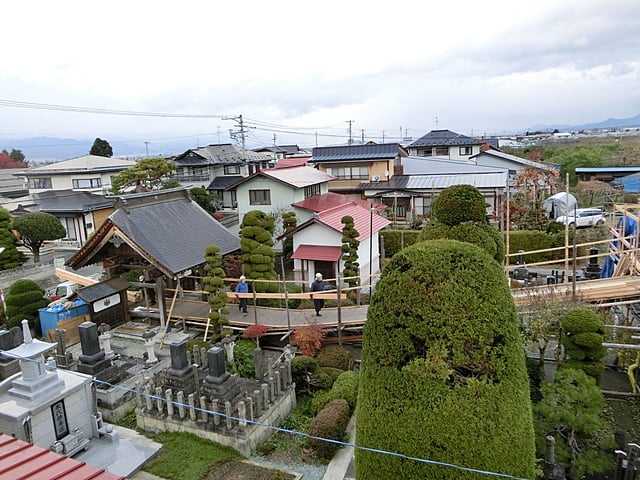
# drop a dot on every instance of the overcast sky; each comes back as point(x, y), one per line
point(309, 67)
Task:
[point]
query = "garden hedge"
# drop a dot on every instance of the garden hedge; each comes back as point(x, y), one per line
point(396, 240)
point(443, 372)
point(335, 356)
point(345, 387)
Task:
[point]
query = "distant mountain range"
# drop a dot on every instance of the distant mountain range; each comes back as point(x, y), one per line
point(51, 149)
point(606, 124)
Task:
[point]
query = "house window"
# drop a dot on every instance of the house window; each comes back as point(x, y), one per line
point(86, 183)
point(312, 190)
point(349, 173)
point(442, 151)
point(232, 169)
point(43, 182)
point(465, 151)
point(259, 197)
point(69, 225)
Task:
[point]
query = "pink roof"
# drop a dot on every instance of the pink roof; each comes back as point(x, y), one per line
point(364, 221)
point(318, 252)
point(298, 177)
point(320, 203)
point(19, 459)
point(292, 162)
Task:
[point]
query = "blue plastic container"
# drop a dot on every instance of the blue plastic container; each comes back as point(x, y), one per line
point(50, 319)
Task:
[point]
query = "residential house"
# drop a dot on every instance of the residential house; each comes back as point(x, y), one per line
point(512, 163)
point(353, 164)
point(161, 234)
point(12, 185)
point(217, 166)
point(279, 152)
point(605, 174)
point(274, 190)
point(445, 143)
point(317, 242)
point(409, 196)
point(89, 173)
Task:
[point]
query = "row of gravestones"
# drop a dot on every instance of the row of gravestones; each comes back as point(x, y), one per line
point(218, 395)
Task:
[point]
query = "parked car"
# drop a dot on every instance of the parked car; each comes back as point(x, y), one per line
point(584, 217)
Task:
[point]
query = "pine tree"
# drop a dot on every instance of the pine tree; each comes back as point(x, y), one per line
point(256, 244)
point(214, 285)
point(350, 244)
point(101, 148)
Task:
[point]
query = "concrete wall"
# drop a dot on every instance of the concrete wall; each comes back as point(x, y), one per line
point(244, 442)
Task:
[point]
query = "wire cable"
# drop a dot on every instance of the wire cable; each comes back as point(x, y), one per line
point(277, 429)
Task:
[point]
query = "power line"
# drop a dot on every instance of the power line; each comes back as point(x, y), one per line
point(277, 429)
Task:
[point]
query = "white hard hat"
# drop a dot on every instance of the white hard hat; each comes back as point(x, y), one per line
point(318, 275)
point(242, 277)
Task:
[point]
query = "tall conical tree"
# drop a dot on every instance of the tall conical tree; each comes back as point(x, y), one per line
point(256, 244)
point(214, 285)
point(350, 244)
point(10, 256)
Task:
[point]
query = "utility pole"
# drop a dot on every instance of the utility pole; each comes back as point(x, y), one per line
point(362, 130)
point(350, 122)
point(146, 146)
point(382, 136)
point(240, 132)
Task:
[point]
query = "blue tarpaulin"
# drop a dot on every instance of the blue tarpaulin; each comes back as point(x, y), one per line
point(630, 226)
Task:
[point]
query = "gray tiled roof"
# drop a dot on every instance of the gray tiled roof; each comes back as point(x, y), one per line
point(439, 182)
point(357, 152)
point(175, 232)
point(438, 165)
point(59, 201)
point(225, 154)
point(437, 138)
point(100, 290)
point(222, 182)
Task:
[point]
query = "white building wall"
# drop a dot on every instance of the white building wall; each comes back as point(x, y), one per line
point(282, 196)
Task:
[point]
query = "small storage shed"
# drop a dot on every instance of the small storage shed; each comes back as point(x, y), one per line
point(107, 301)
point(558, 204)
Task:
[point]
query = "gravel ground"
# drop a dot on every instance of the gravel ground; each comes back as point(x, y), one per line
point(309, 472)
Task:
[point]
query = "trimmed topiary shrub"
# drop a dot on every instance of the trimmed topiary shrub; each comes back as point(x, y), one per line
point(443, 372)
point(331, 422)
point(345, 387)
point(334, 373)
point(583, 334)
point(23, 301)
point(336, 356)
point(459, 204)
point(483, 235)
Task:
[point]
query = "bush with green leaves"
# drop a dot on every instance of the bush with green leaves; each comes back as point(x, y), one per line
point(256, 243)
point(303, 366)
point(582, 337)
point(443, 371)
point(243, 360)
point(336, 356)
point(213, 284)
point(331, 422)
point(23, 300)
point(571, 410)
point(345, 387)
point(459, 204)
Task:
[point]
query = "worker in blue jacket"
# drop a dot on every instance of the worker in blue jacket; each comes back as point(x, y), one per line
point(242, 287)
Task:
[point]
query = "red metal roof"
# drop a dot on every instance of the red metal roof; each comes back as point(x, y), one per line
point(292, 162)
point(364, 221)
point(20, 460)
point(318, 252)
point(320, 203)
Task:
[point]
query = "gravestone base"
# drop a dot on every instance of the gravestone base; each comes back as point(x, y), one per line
point(94, 368)
point(185, 381)
point(225, 391)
